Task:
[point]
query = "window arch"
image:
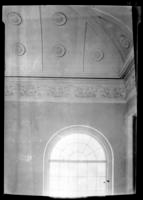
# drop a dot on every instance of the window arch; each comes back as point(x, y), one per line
point(77, 162)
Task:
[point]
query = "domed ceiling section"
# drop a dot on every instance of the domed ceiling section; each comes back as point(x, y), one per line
point(23, 46)
point(120, 13)
point(69, 41)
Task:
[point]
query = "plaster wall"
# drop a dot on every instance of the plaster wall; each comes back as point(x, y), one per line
point(131, 110)
point(29, 125)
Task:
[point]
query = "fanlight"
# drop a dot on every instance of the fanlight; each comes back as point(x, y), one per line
point(77, 167)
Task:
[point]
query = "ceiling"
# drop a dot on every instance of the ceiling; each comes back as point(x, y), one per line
point(67, 41)
point(122, 13)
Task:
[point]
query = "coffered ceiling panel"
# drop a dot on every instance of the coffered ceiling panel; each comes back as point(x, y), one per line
point(101, 56)
point(121, 13)
point(111, 36)
point(63, 41)
point(23, 49)
point(66, 41)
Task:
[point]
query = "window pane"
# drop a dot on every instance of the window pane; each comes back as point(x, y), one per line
point(77, 179)
point(74, 170)
point(101, 169)
point(78, 146)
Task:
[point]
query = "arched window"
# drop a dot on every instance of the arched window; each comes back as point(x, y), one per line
point(77, 163)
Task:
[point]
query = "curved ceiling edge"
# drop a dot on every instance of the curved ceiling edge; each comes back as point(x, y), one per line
point(115, 19)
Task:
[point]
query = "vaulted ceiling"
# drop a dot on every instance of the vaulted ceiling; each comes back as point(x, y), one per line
point(67, 41)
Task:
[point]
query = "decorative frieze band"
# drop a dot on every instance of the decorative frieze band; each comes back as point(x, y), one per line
point(55, 90)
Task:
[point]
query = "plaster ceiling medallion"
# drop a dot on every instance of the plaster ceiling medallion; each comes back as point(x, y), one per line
point(59, 50)
point(98, 55)
point(20, 49)
point(124, 41)
point(14, 18)
point(59, 18)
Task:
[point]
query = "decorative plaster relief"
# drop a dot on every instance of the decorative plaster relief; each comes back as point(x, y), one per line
point(113, 92)
point(59, 18)
point(64, 91)
point(99, 55)
point(59, 50)
point(20, 49)
point(14, 18)
point(124, 41)
point(106, 92)
point(86, 91)
point(57, 91)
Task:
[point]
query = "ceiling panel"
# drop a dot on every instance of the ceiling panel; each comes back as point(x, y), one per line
point(64, 41)
point(23, 49)
point(101, 56)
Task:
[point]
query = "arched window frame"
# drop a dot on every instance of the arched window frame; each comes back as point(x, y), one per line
point(84, 130)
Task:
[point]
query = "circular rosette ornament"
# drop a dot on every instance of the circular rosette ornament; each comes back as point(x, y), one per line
point(124, 41)
point(14, 18)
point(59, 50)
point(20, 49)
point(99, 55)
point(59, 18)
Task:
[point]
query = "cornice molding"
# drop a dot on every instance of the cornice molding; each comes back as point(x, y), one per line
point(56, 90)
point(130, 84)
point(129, 63)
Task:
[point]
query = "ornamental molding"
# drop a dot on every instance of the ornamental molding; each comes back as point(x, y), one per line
point(20, 49)
point(130, 85)
point(99, 55)
point(56, 90)
point(14, 18)
point(59, 18)
point(125, 42)
point(59, 50)
point(129, 63)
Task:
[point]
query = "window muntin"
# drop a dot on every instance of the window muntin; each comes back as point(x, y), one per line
point(77, 167)
point(77, 147)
